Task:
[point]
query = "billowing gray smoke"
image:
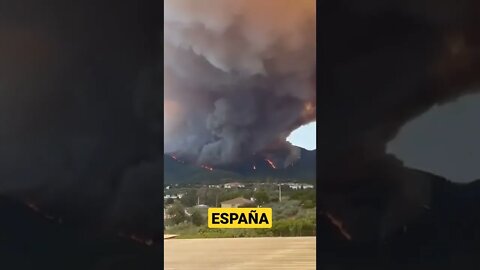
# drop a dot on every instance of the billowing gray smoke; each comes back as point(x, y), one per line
point(72, 125)
point(81, 102)
point(239, 77)
point(382, 63)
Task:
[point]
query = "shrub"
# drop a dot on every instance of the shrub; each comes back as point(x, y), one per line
point(294, 227)
point(177, 213)
point(261, 197)
point(197, 218)
point(281, 228)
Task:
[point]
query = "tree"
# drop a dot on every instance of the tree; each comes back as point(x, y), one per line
point(213, 197)
point(190, 198)
point(261, 197)
point(197, 218)
point(177, 213)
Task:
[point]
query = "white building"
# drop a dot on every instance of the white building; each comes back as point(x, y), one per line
point(171, 196)
point(234, 185)
point(305, 186)
point(297, 186)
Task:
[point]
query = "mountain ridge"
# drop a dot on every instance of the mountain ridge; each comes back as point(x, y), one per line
point(179, 171)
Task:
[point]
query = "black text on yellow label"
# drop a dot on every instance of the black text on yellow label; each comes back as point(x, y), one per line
point(240, 218)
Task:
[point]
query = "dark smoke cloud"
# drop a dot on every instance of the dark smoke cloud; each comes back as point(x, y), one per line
point(382, 63)
point(74, 77)
point(81, 102)
point(81, 99)
point(239, 77)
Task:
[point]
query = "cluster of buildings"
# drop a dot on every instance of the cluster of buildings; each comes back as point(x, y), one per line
point(173, 196)
point(228, 185)
point(236, 202)
point(297, 186)
point(234, 185)
point(233, 203)
point(291, 185)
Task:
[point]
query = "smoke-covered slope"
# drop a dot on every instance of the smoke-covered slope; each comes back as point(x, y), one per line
point(30, 241)
point(255, 168)
point(445, 235)
point(177, 172)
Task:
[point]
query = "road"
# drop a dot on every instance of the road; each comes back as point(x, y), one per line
point(240, 253)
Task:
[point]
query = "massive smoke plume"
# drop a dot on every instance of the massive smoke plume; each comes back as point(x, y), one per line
point(72, 78)
point(239, 77)
point(383, 63)
point(81, 104)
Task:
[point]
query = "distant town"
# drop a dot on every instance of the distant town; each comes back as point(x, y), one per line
point(293, 204)
point(169, 188)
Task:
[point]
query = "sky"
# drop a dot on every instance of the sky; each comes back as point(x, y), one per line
point(304, 136)
point(444, 140)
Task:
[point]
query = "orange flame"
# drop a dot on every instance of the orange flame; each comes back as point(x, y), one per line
point(271, 163)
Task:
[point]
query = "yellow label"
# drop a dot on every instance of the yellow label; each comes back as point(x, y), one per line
point(244, 218)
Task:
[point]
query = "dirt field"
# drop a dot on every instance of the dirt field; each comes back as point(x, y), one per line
point(240, 253)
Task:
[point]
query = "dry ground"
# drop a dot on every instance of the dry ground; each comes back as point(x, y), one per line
point(295, 253)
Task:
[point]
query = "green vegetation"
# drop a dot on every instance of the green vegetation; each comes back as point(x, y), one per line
point(294, 227)
point(197, 218)
point(190, 198)
point(261, 197)
point(301, 225)
point(177, 214)
point(293, 216)
point(307, 197)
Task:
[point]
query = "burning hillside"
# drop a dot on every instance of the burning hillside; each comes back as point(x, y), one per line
point(257, 166)
point(271, 164)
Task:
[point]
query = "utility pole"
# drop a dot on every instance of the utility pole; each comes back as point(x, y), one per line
point(279, 192)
